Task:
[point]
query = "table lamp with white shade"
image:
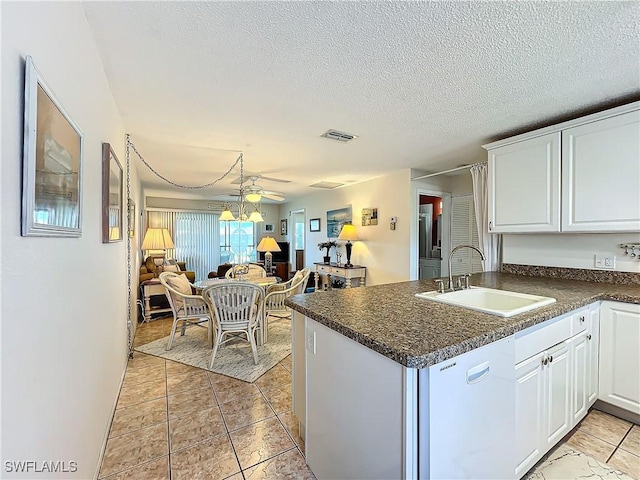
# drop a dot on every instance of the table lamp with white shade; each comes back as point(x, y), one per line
point(348, 233)
point(156, 242)
point(268, 245)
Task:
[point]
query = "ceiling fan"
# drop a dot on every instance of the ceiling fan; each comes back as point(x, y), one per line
point(238, 180)
point(254, 193)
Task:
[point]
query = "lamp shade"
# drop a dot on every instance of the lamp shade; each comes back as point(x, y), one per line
point(255, 217)
point(268, 244)
point(226, 215)
point(253, 197)
point(157, 239)
point(348, 232)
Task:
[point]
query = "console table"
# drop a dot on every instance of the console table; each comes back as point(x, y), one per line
point(150, 288)
point(335, 270)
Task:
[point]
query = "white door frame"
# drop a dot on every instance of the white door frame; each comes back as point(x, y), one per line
point(446, 230)
point(292, 250)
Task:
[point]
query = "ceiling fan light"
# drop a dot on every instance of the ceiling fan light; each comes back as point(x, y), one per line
point(253, 197)
point(256, 217)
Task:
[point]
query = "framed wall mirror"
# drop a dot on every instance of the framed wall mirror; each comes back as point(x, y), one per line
point(112, 205)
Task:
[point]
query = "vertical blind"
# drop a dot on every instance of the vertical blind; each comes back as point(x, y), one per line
point(196, 236)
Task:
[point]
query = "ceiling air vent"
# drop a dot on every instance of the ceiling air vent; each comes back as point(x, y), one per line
point(340, 136)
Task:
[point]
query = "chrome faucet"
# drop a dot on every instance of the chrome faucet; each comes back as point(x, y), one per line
point(454, 250)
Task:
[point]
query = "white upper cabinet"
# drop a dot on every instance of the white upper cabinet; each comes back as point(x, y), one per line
point(524, 186)
point(601, 175)
point(577, 176)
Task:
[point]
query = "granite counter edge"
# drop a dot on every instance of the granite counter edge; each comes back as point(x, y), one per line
point(431, 358)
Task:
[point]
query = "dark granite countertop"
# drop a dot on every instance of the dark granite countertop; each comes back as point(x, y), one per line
point(417, 333)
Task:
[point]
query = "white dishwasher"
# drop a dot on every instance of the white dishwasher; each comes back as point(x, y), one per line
point(467, 415)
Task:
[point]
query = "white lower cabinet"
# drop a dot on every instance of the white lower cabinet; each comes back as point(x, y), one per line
point(555, 386)
point(543, 399)
point(619, 358)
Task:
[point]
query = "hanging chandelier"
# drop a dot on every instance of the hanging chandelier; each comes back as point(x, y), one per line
point(247, 211)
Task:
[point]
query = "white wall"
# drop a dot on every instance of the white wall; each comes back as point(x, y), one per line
point(64, 300)
point(569, 250)
point(386, 253)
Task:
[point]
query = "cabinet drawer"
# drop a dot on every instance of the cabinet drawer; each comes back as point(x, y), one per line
point(533, 340)
point(579, 321)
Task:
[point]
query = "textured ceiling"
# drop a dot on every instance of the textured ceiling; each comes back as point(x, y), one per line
point(422, 84)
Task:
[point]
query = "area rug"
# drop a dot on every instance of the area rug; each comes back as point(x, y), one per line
point(233, 359)
point(565, 462)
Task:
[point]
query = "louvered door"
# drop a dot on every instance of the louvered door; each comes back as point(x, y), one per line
point(464, 232)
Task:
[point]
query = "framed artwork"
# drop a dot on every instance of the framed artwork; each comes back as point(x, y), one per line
point(131, 218)
point(112, 204)
point(336, 219)
point(52, 163)
point(283, 227)
point(268, 227)
point(369, 216)
point(314, 225)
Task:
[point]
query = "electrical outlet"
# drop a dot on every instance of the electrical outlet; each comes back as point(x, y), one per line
point(311, 342)
point(605, 261)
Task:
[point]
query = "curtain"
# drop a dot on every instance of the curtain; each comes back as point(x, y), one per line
point(489, 242)
point(196, 236)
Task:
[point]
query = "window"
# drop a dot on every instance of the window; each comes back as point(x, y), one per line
point(237, 242)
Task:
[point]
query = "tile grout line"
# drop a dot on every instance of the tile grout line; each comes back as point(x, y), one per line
point(620, 443)
point(226, 427)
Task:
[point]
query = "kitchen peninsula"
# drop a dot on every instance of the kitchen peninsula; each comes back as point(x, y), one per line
point(387, 385)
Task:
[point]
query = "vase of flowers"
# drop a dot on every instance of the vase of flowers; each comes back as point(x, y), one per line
point(327, 245)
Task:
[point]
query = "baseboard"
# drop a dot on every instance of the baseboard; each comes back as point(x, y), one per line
point(617, 411)
point(113, 413)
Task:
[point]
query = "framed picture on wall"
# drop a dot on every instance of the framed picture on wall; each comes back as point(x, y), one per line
point(112, 201)
point(314, 225)
point(283, 227)
point(131, 218)
point(268, 227)
point(336, 219)
point(52, 163)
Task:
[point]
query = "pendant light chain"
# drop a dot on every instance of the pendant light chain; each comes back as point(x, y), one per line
point(129, 240)
point(130, 145)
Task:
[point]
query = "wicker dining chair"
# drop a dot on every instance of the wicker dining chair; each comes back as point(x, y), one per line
point(237, 309)
point(276, 295)
point(246, 271)
point(188, 310)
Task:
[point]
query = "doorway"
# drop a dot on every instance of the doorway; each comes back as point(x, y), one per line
point(433, 232)
point(298, 239)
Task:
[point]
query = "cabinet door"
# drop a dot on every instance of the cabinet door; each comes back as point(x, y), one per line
point(580, 354)
point(524, 186)
point(558, 393)
point(593, 339)
point(529, 413)
point(619, 361)
point(600, 172)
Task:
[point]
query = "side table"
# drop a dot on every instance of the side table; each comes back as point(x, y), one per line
point(333, 270)
point(150, 288)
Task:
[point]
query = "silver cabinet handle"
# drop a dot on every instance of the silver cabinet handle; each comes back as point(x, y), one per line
point(490, 225)
point(550, 358)
point(545, 360)
point(581, 318)
point(589, 336)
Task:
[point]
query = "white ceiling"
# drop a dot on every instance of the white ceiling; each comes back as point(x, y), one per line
point(422, 84)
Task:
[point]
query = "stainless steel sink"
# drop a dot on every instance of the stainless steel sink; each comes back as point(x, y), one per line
point(502, 303)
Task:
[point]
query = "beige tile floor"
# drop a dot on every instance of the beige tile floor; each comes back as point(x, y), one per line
point(173, 421)
point(609, 440)
point(179, 422)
